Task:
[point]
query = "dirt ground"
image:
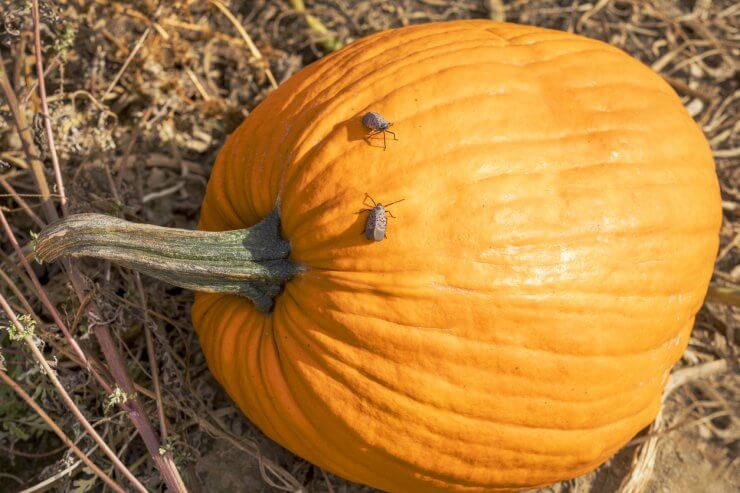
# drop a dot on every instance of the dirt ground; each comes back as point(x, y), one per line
point(141, 96)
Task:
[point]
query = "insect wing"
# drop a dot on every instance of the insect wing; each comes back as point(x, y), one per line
point(379, 226)
point(370, 224)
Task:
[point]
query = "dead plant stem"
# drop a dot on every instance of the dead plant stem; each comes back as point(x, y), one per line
point(45, 107)
point(24, 132)
point(151, 353)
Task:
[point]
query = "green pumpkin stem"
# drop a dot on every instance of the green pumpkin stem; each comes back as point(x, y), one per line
point(253, 262)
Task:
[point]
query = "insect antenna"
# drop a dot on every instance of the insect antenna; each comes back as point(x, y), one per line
point(397, 201)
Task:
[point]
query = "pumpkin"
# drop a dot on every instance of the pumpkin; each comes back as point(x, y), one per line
point(556, 238)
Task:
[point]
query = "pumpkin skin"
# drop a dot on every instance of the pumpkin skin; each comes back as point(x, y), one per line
point(517, 327)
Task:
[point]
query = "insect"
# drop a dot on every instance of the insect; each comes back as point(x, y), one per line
point(376, 222)
point(377, 125)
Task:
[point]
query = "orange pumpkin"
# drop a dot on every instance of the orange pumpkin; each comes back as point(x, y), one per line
point(540, 278)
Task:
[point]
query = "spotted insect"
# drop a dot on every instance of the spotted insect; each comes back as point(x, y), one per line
point(377, 125)
point(376, 223)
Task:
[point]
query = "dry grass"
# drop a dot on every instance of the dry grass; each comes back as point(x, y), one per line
point(141, 95)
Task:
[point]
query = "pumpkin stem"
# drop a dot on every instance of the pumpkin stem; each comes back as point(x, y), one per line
point(252, 262)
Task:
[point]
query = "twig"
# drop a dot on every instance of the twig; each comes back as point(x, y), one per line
point(683, 87)
point(247, 39)
point(31, 455)
point(154, 367)
point(68, 400)
point(683, 376)
point(162, 193)
point(19, 295)
point(327, 481)
point(7, 156)
point(11, 265)
point(679, 426)
point(45, 107)
point(198, 86)
point(726, 295)
point(24, 132)
point(13, 477)
point(727, 153)
point(21, 202)
point(126, 63)
point(25, 95)
point(496, 10)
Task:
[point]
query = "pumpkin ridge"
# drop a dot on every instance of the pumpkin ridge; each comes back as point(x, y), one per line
point(399, 430)
point(645, 231)
point(541, 35)
point(501, 344)
point(377, 74)
point(295, 396)
point(342, 68)
point(607, 394)
point(481, 260)
point(395, 458)
point(465, 149)
point(654, 88)
point(563, 241)
point(413, 430)
point(224, 206)
point(527, 299)
point(513, 41)
point(319, 109)
point(451, 150)
point(477, 96)
point(464, 415)
point(311, 131)
point(269, 334)
point(379, 77)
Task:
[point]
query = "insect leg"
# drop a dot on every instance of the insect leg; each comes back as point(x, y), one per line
point(390, 214)
point(373, 134)
point(393, 134)
point(367, 196)
point(370, 134)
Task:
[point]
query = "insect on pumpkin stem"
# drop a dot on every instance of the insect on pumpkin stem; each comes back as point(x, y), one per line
point(253, 262)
